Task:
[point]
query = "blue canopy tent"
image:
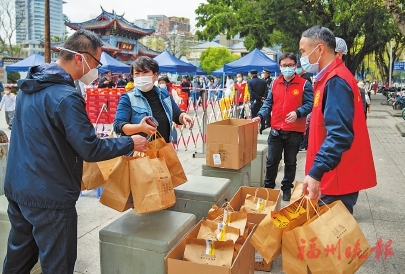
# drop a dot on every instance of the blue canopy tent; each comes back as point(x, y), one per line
point(24, 65)
point(253, 60)
point(170, 63)
point(200, 72)
point(218, 72)
point(111, 64)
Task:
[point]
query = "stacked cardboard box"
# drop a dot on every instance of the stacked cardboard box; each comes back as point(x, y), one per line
point(236, 203)
point(231, 143)
point(246, 260)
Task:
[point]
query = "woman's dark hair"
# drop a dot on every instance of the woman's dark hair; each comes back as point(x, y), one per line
point(287, 55)
point(144, 63)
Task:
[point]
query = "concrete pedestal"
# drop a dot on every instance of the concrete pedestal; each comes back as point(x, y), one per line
point(138, 243)
point(5, 227)
point(259, 166)
point(240, 177)
point(262, 138)
point(199, 193)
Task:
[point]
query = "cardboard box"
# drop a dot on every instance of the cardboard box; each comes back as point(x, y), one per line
point(243, 263)
point(231, 143)
point(260, 263)
point(239, 198)
point(237, 201)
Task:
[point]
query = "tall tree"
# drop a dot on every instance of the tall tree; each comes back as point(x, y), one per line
point(214, 58)
point(9, 22)
point(364, 24)
point(394, 7)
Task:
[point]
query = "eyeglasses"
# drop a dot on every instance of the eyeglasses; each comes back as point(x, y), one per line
point(99, 64)
point(287, 66)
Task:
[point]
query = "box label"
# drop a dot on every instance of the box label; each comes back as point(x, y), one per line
point(258, 257)
point(217, 159)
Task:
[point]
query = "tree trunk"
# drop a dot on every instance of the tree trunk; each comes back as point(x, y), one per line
point(395, 10)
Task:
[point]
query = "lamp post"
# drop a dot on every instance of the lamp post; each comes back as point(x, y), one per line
point(390, 68)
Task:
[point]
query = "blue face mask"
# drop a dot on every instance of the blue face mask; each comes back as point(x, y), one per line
point(298, 70)
point(287, 72)
point(307, 66)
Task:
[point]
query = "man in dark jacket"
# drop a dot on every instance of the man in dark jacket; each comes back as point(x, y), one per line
point(257, 89)
point(50, 139)
point(107, 81)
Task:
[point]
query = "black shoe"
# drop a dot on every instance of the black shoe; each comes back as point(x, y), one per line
point(9, 127)
point(286, 195)
point(268, 186)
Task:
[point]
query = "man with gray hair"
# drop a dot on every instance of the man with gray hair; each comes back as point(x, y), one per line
point(341, 47)
point(49, 141)
point(339, 144)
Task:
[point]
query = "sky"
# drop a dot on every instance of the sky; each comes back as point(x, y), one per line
point(83, 10)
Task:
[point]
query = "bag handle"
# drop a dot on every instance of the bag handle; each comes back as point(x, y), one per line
point(267, 199)
point(317, 208)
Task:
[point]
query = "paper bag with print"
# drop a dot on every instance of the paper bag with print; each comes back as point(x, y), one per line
point(256, 204)
point(289, 246)
point(267, 237)
point(151, 185)
point(158, 148)
point(217, 231)
point(204, 251)
point(339, 247)
point(117, 190)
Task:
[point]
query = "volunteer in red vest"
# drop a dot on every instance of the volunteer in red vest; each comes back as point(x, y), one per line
point(339, 159)
point(289, 102)
point(239, 92)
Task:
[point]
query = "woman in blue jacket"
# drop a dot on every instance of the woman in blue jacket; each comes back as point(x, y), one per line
point(147, 100)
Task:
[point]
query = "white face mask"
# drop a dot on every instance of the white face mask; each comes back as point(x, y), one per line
point(91, 75)
point(144, 83)
point(239, 79)
point(163, 86)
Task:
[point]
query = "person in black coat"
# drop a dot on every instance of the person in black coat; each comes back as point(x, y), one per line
point(257, 89)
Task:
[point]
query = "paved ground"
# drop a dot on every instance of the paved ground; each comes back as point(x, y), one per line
point(379, 211)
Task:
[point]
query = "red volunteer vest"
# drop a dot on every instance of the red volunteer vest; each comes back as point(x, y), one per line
point(240, 87)
point(356, 169)
point(287, 99)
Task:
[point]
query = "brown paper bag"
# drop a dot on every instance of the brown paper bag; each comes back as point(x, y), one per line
point(215, 212)
point(267, 237)
point(338, 247)
point(95, 174)
point(210, 252)
point(231, 218)
point(297, 192)
point(289, 246)
point(151, 185)
point(117, 190)
point(217, 231)
point(158, 148)
point(257, 204)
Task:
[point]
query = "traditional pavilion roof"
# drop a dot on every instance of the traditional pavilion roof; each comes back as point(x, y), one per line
point(119, 25)
point(104, 47)
point(145, 51)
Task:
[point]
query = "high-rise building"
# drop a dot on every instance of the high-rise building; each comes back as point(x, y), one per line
point(30, 19)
